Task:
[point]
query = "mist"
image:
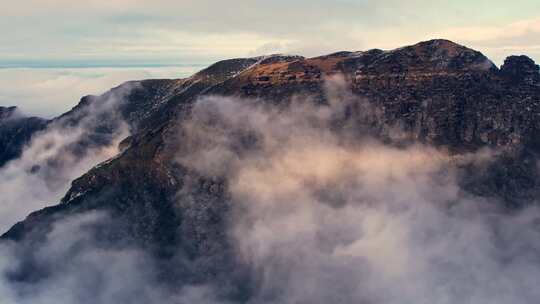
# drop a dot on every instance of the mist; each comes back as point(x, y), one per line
point(80, 269)
point(56, 156)
point(323, 215)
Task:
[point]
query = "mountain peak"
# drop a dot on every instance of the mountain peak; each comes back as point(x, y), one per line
point(225, 69)
point(444, 54)
point(521, 69)
point(441, 44)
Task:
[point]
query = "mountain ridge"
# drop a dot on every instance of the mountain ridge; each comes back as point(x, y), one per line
point(248, 69)
point(435, 92)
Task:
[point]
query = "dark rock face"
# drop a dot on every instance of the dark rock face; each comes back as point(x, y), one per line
point(15, 132)
point(521, 70)
point(438, 92)
point(6, 112)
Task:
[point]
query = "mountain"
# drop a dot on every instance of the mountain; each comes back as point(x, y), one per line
point(435, 93)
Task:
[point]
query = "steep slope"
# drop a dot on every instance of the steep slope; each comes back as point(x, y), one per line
point(436, 93)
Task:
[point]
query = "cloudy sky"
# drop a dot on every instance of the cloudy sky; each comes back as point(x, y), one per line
point(143, 38)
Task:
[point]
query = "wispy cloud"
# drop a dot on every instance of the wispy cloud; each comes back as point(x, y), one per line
point(57, 155)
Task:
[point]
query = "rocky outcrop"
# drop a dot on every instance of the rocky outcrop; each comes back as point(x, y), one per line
point(521, 70)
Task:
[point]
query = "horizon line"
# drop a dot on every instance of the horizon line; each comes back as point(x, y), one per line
point(79, 65)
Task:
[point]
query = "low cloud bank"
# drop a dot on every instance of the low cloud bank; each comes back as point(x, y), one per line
point(79, 269)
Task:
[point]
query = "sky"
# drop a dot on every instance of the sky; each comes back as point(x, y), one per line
point(129, 37)
point(47, 92)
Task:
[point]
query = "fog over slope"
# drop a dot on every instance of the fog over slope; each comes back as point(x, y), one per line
point(54, 157)
point(324, 217)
